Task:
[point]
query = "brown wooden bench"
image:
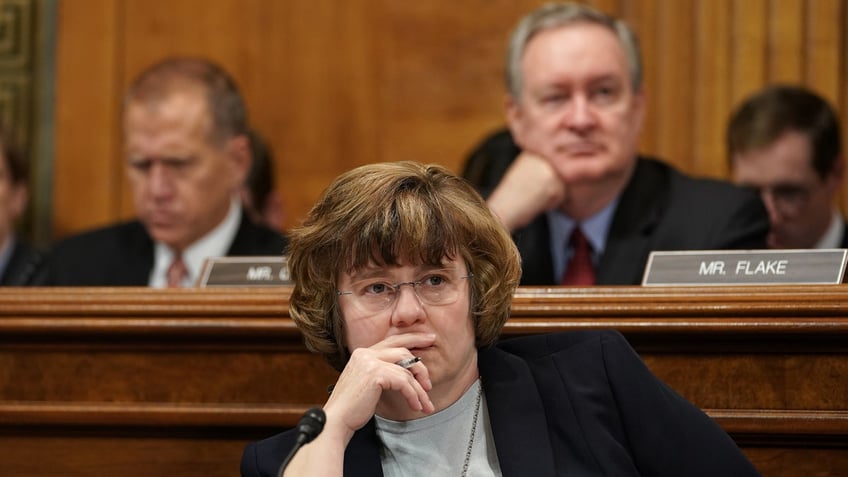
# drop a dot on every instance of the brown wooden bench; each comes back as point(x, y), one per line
point(135, 382)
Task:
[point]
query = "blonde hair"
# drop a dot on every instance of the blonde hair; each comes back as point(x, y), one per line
point(391, 212)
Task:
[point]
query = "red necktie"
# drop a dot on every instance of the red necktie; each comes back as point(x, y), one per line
point(581, 270)
point(176, 272)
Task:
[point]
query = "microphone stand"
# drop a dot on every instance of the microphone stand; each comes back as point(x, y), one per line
point(308, 428)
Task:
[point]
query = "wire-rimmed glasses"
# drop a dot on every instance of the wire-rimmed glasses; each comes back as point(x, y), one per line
point(437, 288)
point(788, 199)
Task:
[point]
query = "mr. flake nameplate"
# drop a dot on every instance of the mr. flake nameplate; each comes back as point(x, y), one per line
point(745, 267)
point(245, 272)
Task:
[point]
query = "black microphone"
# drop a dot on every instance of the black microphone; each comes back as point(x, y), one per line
point(308, 428)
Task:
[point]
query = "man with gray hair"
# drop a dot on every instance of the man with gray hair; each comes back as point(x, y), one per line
point(187, 155)
point(584, 208)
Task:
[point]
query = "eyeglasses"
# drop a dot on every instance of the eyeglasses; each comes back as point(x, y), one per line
point(788, 199)
point(435, 289)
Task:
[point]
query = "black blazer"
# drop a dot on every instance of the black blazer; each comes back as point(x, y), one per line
point(567, 404)
point(25, 267)
point(122, 254)
point(659, 209)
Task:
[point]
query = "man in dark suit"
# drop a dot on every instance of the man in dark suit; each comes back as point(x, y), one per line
point(19, 262)
point(187, 157)
point(575, 191)
point(785, 142)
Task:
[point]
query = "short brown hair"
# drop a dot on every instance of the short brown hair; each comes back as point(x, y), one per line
point(765, 116)
point(226, 106)
point(383, 214)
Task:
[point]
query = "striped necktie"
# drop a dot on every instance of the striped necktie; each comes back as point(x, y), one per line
point(177, 272)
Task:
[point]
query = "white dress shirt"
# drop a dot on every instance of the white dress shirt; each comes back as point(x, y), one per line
point(214, 244)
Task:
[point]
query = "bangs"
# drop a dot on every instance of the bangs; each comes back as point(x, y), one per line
point(392, 215)
point(416, 227)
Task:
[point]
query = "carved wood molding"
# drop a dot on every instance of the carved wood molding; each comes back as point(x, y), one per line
point(800, 317)
point(747, 426)
point(773, 327)
point(823, 300)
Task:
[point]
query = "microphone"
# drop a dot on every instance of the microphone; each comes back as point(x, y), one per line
point(308, 428)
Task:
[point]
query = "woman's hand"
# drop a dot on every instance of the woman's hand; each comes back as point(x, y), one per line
point(371, 372)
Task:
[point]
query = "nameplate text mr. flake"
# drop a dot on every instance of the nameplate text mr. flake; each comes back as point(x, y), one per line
point(745, 267)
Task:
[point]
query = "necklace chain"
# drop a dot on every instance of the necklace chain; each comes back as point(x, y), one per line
point(473, 430)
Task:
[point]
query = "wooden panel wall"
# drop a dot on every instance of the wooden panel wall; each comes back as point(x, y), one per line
point(337, 84)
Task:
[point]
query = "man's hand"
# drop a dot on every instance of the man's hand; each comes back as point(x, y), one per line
point(529, 187)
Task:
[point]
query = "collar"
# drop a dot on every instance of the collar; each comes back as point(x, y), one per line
point(214, 244)
point(832, 237)
point(595, 228)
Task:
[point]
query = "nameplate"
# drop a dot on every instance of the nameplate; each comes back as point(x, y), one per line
point(745, 267)
point(245, 272)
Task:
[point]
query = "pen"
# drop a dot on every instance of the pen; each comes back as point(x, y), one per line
point(408, 362)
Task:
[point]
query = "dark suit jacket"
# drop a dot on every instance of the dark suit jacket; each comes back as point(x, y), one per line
point(570, 404)
point(25, 267)
point(122, 254)
point(659, 209)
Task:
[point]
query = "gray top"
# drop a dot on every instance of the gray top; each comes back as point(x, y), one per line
point(437, 444)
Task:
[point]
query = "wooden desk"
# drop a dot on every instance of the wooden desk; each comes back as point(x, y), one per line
point(136, 382)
